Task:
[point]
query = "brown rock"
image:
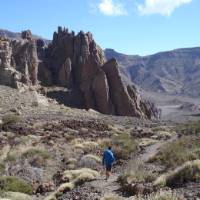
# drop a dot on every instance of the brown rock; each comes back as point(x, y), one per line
point(26, 35)
point(122, 101)
point(77, 63)
point(64, 75)
point(18, 62)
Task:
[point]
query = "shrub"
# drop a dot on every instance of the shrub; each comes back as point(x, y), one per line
point(123, 146)
point(10, 119)
point(189, 128)
point(74, 178)
point(175, 153)
point(65, 187)
point(37, 157)
point(71, 163)
point(136, 178)
point(89, 161)
point(137, 173)
point(11, 157)
point(14, 184)
point(74, 175)
point(36, 152)
point(15, 196)
point(190, 171)
point(161, 195)
point(112, 197)
point(86, 146)
point(2, 168)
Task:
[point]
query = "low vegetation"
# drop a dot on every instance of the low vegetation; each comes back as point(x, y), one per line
point(10, 119)
point(14, 184)
point(123, 145)
point(36, 157)
point(112, 197)
point(2, 168)
point(137, 173)
point(190, 171)
point(36, 152)
point(74, 178)
point(134, 175)
point(86, 146)
point(175, 153)
point(189, 128)
point(160, 195)
point(89, 161)
point(15, 196)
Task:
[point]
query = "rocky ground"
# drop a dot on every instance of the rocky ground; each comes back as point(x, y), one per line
point(176, 108)
point(56, 151)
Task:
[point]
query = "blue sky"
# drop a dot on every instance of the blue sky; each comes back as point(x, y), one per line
point(128, 26)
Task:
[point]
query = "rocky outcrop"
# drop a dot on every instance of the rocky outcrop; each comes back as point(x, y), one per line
point(76, 63)
point(18, 61)
point(8, 75)
point(126, 100)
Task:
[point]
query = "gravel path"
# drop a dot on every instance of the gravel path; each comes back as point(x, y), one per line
point(111, 186)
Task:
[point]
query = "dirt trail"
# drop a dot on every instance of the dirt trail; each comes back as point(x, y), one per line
point(151, 150)
point(111, 186)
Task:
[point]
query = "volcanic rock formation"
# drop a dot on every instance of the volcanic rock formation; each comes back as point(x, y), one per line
point(74, 62)
point(18, 61)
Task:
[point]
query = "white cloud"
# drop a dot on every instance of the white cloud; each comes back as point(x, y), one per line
point(111, 8)
point(162, 7)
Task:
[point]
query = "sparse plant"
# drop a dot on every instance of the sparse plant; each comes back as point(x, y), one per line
point(136, 173)
point(74, 178)
point(14, 184)
point(123, 146)
point(89, 161)
point(11, 157)
point(38, 152)
point(10, 119)
point(112, 197)
point(2, 168)
point(15, 196)
point(37, 157)
point(189, 128)
point(190, 171)
point(175, 153)
point(160, 195)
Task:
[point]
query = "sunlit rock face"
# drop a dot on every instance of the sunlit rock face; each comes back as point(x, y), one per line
point(76, 63)
point(18, 61)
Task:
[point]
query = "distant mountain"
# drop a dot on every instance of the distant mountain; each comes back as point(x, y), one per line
point(172, 72)
point(9, 34)
point(17, 35)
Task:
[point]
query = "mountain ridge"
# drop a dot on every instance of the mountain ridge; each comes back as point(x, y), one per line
point(171, 72)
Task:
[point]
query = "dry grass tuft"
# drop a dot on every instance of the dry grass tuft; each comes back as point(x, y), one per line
point(190, 171)
point(15, 196)
point(173, 154)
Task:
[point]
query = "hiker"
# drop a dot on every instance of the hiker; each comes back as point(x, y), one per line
point(107, 161)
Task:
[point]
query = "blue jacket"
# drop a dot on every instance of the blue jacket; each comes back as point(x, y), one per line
point(108, 158)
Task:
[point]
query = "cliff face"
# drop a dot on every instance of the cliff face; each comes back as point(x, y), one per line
point(77, 63)
point(18, 62)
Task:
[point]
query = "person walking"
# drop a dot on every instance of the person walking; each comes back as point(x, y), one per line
point(107, 161)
